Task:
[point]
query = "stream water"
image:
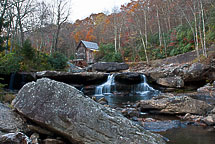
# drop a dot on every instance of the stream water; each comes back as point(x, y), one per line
point(190, 135)
point(179, 132)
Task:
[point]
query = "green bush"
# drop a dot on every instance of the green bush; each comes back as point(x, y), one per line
point(10, 63)
point(41, 62)
point(107, 53)
point(58, 61)
point(27, 50)
point(210, 36)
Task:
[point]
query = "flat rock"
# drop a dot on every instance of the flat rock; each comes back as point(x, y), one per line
point(175, 105)
point(110, 66)
point(87, 78)
point(161, 126)
point(64, 110)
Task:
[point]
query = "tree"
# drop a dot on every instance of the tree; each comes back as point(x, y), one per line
point(60, 15)
point(23, 8)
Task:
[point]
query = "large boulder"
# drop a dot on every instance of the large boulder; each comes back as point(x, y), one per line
point(64, 110)
point(110, 66)
point(175, 105)
point(196, 72)
point(10, 121)
point(128, 78)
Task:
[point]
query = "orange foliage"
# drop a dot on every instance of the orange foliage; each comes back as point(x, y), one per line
point(78, 36)
point(90, 36)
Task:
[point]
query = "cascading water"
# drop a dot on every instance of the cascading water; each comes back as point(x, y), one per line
point(143, 87)
point(12, 77)
point(115, 95)
point(106, 87)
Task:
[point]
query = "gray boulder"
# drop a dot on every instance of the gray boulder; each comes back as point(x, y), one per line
point(10, 121)
point(197, 71)
point(174, 82)
point(66, 111)
point(175, 105)
point(110, 66)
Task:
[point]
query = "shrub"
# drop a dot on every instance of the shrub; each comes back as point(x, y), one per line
point(42, 63)
point(107, 53)
point(1, 90)
point(27, 50)
point(58, 61)
point(9, 63)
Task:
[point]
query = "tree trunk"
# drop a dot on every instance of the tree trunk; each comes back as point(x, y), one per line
point(203, 26)
point(144, 46)
point(120, 30)
point(159, 27)
point(20, 25)
point(115, 38)
point(2, 15)
point(196, 33)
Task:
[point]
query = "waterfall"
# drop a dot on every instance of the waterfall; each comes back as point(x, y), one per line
point(143, 87)
point(116, 93)
point(12, 77)
point(106, 87)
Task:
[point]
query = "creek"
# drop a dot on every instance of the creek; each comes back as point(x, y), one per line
point(120, 95)
point(171, 127)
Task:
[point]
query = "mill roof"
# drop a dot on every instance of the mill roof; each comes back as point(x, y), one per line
point(90, 45)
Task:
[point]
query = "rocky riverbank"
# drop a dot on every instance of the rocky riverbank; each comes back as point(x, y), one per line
point(48, 109)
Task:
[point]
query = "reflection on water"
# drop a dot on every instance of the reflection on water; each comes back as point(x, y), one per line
point(191, 135)
point(116, 99)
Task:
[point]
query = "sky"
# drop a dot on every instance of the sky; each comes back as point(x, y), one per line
point(81, 9)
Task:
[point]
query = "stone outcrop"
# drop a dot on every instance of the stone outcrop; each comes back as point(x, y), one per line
point(187, 73)
point(109, 66)
point(9, 121)
point(66, 111)
point(87, 78)
point(128, 78)
point(175, 105)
